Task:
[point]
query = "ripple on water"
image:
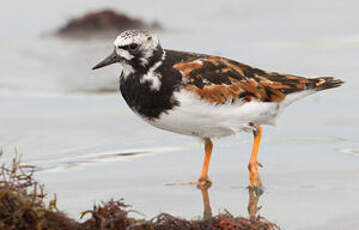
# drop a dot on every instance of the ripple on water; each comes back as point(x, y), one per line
point(87, 159)
point(286, 140)
point(350, 151)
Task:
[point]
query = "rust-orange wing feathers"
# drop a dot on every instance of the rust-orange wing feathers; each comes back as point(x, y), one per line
point(220, 80)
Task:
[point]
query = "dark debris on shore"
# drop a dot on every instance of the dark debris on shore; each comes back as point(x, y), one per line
point(103, 23)
point(22, 206)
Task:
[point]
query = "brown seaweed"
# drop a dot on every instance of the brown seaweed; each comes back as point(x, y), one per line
point(103, 23)
point(22, 206)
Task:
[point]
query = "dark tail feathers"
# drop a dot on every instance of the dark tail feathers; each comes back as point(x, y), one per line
point(323, 83)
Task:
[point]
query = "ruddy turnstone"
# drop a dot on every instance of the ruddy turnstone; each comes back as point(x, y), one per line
point(202, 95)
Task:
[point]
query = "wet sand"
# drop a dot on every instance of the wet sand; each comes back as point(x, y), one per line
point(90, 147)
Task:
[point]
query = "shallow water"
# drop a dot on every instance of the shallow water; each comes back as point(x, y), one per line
point(90, 147)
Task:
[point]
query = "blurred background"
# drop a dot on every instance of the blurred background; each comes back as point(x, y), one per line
point(72, 123)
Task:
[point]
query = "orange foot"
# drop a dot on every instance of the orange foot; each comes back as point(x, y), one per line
point(202, 183)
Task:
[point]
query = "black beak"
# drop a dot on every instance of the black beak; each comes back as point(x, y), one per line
point(113, 58)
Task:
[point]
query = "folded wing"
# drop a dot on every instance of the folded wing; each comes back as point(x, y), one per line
point(220, 80)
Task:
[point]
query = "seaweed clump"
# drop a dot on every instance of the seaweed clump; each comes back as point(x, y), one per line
point(22, 207)
point(21, 201)
point(111, 217)
point(103, 23)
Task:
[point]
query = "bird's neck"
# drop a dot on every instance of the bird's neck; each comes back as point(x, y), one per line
point(144, 64)
point(155, 59)
point(150, 93)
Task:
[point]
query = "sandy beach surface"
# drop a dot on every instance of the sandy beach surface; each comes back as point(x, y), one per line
point(90, 147)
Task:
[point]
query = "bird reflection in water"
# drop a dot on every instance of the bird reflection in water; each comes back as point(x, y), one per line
point(207, 213)
point(227, 221)
point(253, 199)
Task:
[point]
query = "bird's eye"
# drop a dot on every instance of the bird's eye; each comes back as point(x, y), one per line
point(133, 46)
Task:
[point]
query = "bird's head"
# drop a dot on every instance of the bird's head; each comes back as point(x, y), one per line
point(135, 50)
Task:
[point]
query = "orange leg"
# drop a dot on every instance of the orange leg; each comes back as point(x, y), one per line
point(204, 179)
point(254, 178)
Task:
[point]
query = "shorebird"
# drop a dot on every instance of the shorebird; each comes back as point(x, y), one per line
point(204, 96)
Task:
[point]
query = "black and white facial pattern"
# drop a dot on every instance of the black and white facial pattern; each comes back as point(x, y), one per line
point(140, 50)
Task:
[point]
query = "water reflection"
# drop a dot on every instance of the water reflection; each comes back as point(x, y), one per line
point(253, 208)
point(253, 199)
point(207, 210)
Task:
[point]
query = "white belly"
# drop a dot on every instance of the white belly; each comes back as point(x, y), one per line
point(199, 118)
